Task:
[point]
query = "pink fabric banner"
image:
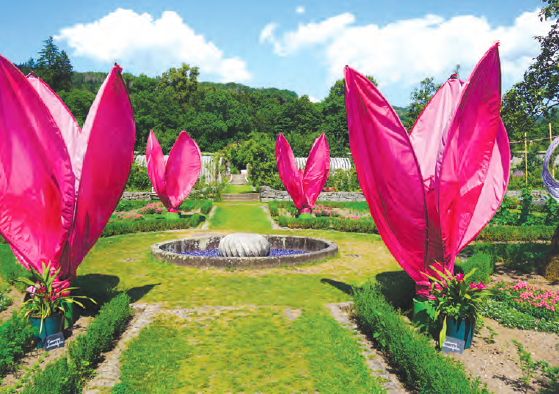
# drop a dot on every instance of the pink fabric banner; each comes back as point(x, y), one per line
point(432, 192)
point(174, 181)
point(303, 187)
point(59, 184)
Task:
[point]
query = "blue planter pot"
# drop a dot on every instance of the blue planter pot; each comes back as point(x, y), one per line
point(462, 329)
point(51, 325)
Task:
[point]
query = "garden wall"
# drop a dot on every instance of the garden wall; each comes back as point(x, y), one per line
point(139, 196)
point(269, 194)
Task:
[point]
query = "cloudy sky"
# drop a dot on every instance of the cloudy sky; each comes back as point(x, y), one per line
point(297, 45)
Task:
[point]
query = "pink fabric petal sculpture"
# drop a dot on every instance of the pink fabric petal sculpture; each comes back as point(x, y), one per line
point(174, 181)
point(59, 184)
point(431, 192)
point(303, 187)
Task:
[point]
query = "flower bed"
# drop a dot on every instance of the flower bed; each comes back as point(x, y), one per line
point(538, 302)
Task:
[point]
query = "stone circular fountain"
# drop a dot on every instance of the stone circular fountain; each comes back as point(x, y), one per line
point(203, 251)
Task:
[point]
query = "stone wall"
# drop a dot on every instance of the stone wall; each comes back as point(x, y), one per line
point(538, 194)
point(269, 194)
point(139, 196)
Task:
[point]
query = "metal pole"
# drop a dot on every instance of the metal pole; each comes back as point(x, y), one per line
point(526, 156)
point(552, 162)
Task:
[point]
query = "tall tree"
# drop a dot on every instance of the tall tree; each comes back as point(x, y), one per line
point(419, 99)
point(183, 80)
point(537, 95)
point(54, 67)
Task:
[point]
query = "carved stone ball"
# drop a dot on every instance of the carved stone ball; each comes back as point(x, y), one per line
point(244, 245)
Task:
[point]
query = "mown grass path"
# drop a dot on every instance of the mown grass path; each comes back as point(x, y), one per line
point(257, 347)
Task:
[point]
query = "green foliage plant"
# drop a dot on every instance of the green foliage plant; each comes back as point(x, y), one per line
point(67, 374)
point(529, 368)
point(422, 368)
point(455, 297)
point(46, 299)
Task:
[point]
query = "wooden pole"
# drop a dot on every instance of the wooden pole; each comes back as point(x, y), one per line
point(526, 157)
point(552, 161)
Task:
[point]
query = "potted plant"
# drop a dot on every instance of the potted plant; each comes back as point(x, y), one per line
point(47, 301)
point(456, 303)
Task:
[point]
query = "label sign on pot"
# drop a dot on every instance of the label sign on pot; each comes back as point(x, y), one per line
point(453, 345)
point(53, 341)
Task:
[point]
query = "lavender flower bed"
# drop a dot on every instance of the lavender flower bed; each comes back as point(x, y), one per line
point(215, 252)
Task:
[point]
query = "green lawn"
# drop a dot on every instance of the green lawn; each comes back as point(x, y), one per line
point(240, 217)
point(254, 348)
point(238, 189)
point(246, 351)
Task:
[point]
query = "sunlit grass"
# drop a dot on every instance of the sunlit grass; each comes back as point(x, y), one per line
point(237, 189)
point(247, 350)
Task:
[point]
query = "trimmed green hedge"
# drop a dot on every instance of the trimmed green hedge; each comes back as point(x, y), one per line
point(144, 226)
point(516, 233)
point(484, 265)
point(346, 225)
point(16, 335)
point(413, 354)
point(67, 374)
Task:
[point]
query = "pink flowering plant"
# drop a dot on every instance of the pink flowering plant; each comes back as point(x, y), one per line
point(455, 297)
point(47, 294)
point(131, 216)
point(536, 301)
point(152, 209)
point(324, 211)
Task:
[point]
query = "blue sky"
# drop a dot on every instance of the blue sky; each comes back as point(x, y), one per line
point(296, 45)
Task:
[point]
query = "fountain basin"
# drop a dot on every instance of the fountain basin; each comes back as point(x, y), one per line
point(315, 248)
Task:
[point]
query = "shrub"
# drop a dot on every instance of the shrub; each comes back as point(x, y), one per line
point(513, 318)
point(66, 375)
point(412, 353)
point(206, 207)
point(516, 233)
point(16, 334)
point(5, 301)
point(484, 265)
point(142, 226)
point(525, 257)
point(128, 205)
point(57, 377)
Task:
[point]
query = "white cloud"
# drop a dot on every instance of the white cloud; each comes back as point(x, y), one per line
point(300, 10)
point(405, 52)
point(314, 99)
point(306, 35)
point(146, 45)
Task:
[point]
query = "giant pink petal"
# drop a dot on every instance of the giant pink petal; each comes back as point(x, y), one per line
point(156, 168)
point(71, 132)
point(494, 189)
point(427, 138)
point(106, 166)
point(316, 170)
point(462, 171)
point(388, 173)
point(290, 175)
point(431, 128)
point(36, 181)
point(183, 168)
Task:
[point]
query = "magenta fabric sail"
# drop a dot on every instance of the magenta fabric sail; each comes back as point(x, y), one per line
point(174, 181)
point(59, 184)
point(303, 186)
point(432, 192)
